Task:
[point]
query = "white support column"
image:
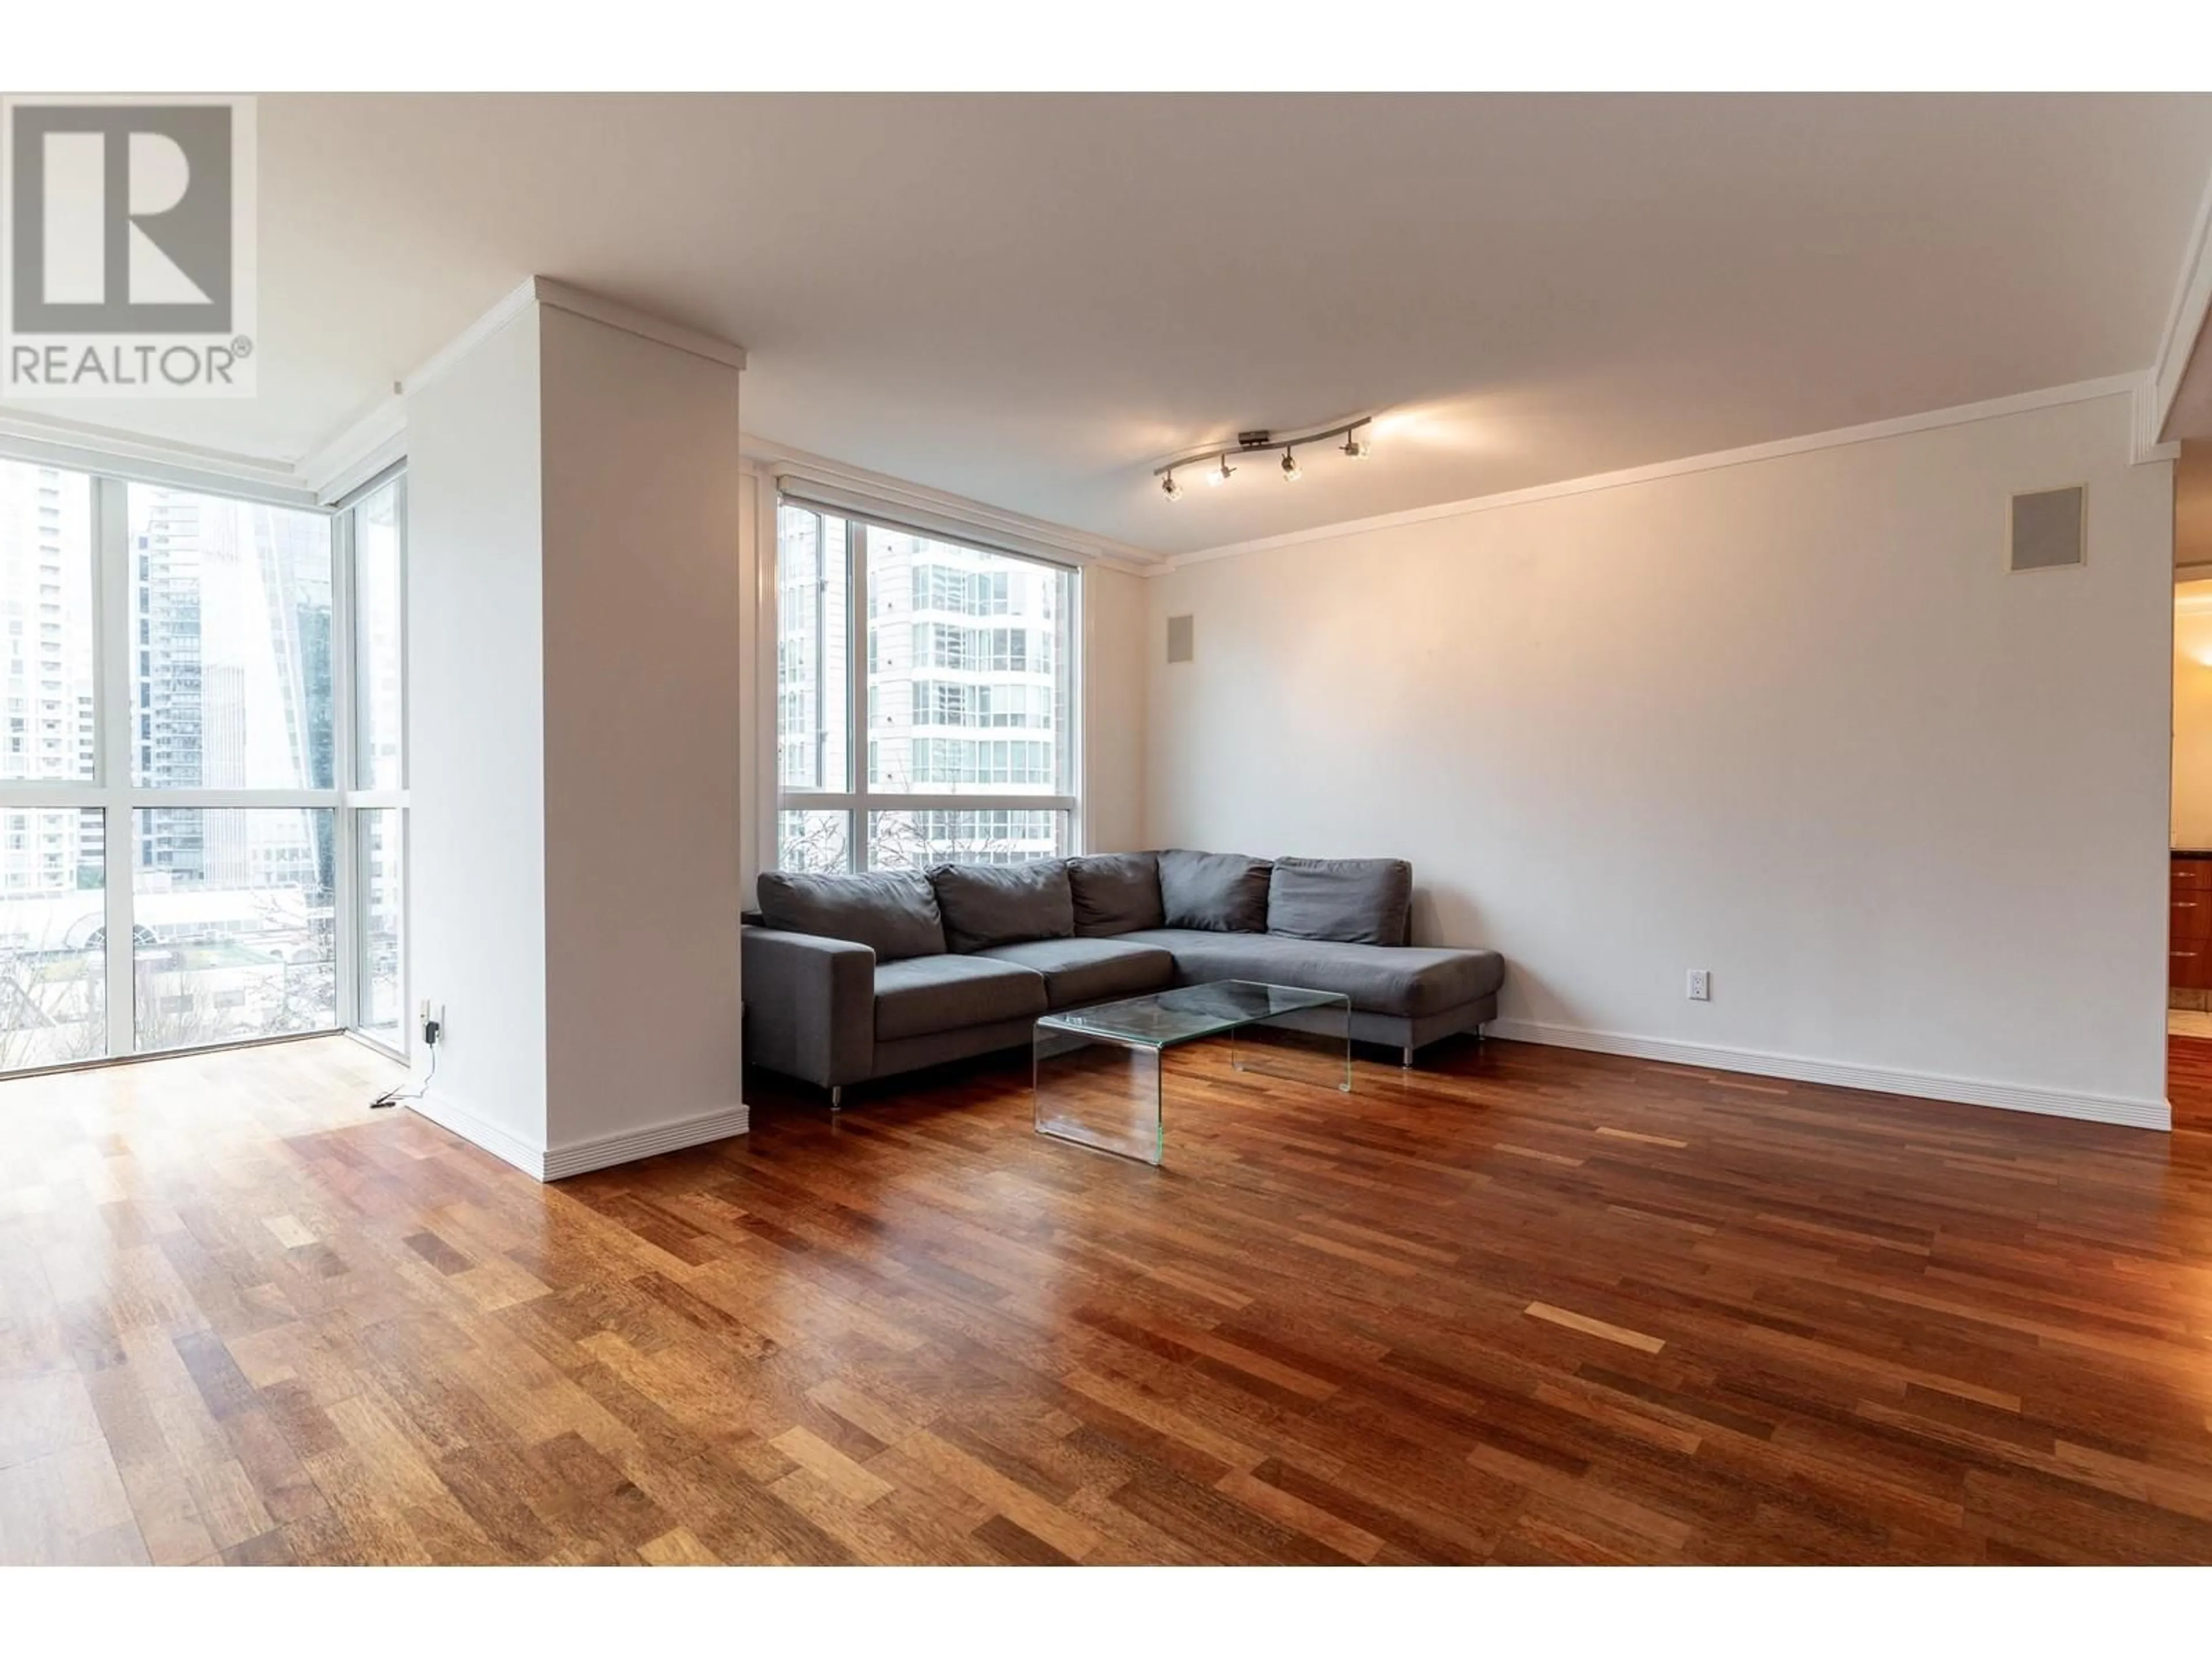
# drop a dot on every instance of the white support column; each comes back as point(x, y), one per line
point(576, 641)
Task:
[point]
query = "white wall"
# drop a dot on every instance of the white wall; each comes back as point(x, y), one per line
point(1790, 721)
point(642, 512)
point(476, 865)
point(1115, 628)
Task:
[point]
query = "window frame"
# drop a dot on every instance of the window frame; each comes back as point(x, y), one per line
point(858, 800)
point(352, 899)
point(114, 792)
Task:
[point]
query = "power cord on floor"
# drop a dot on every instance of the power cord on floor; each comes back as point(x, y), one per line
point(398, 1097)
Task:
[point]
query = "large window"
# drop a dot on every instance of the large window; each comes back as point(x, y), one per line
point(243, 944)
point(47, 601)
point(201, 709)
point(375, 841)
point(378, 703)
point(925, 699)
point(54, 938)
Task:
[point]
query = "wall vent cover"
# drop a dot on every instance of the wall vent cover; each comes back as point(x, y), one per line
point(1179, 638)
point(2047, 529)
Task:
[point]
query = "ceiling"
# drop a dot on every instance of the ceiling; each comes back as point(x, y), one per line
point(1032, 300)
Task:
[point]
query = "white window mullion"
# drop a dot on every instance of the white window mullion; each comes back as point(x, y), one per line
point(353, 688)
point(406, 679)
point(1069, 733)
point(114, 653)
point(345, 897)
point(405, 821)
point(856, 697)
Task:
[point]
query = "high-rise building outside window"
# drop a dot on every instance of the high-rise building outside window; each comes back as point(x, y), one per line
point(961, 664)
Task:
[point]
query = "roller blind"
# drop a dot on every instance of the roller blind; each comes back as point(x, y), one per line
point(802, 491)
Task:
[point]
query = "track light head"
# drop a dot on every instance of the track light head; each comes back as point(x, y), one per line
point(1215, 467)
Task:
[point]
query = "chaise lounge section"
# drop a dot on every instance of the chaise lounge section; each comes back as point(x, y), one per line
point(853, 978)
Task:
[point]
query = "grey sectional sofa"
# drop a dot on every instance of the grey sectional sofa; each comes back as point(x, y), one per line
point(849, 978)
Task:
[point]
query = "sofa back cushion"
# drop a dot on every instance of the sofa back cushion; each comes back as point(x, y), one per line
point(893, 912)
point(1116, 893)
point(1354, 901)
point(986, 904)
point(1219, 892)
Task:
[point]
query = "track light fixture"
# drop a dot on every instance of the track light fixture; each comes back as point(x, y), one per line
point(1219, 471)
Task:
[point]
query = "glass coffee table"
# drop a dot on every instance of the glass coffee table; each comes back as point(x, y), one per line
point(1099, 1069)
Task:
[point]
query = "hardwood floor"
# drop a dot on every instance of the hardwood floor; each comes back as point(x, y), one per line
point(1526, 1306)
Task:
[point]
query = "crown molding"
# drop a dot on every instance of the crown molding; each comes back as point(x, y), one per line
point(2144, 445)
point(82, 446)
point(511, 305)
point(772, 460)
point(364, 446)
point(2185, 325)
point(577, 301)
point(562, 296)
point(2114, 385)
point(356, 452)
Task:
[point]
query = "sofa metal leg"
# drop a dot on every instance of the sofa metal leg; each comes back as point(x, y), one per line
point(1406, 1058)
point(836, 1096)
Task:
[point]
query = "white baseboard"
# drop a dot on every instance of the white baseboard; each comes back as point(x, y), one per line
point(600, 1152)
point(1796, 1068)
point(442, 1109)
point(603, 1152)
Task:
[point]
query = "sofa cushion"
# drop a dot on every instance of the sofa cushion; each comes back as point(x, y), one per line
point(922, 995)
point(1116, 893)
point(1002, 903)
point(1408, 981)
point(893, 912)
point(1353, 901)
point(1079, 970)
point(1220, 892)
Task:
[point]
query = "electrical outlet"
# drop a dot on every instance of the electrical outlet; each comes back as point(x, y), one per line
point(424, 1012)
point(1701, 985)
